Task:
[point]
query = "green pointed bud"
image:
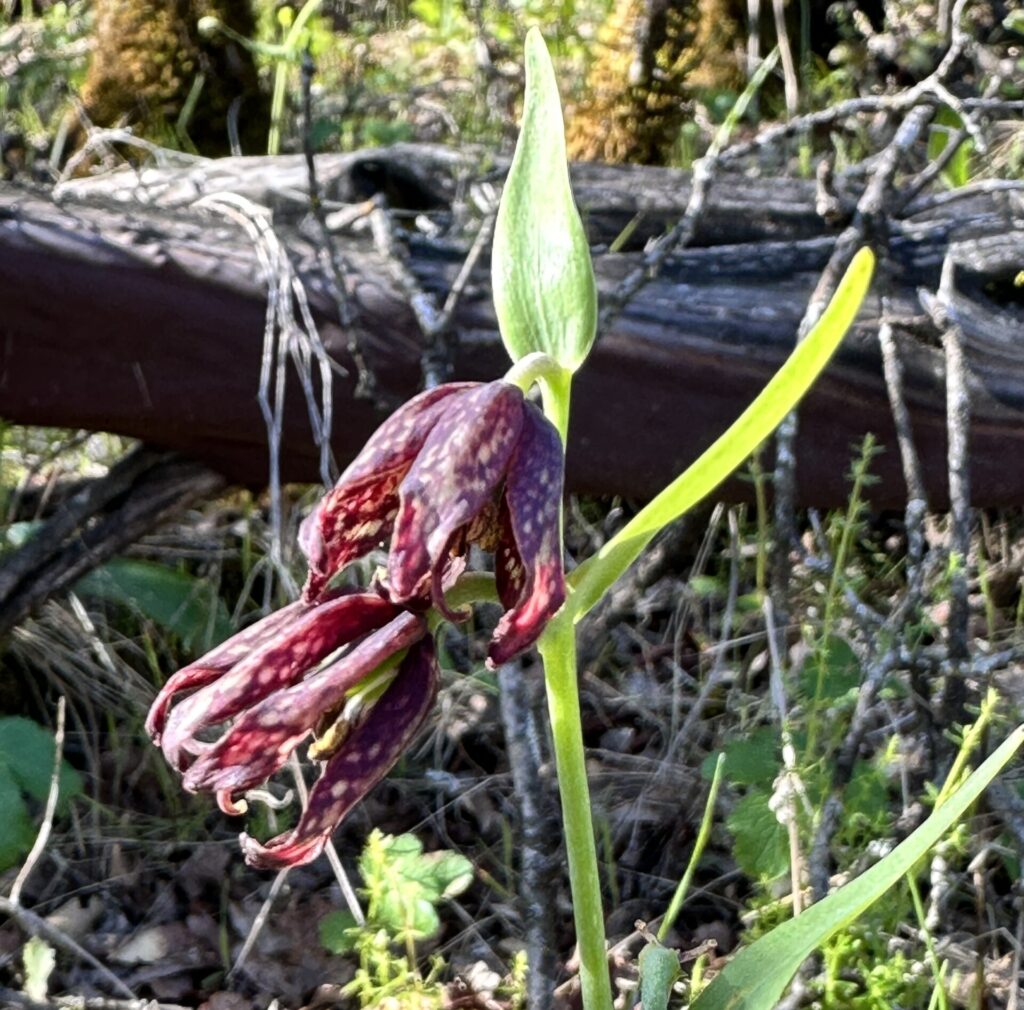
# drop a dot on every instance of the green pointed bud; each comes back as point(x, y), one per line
point(542, 277)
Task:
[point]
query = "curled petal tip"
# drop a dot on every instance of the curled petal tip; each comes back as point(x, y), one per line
point(365, 757)
point(231, 806)
point(279, 855)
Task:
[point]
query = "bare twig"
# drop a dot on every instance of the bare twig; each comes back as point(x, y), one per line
point(278, 882)
point(789, 75)
point(538, 858)
point(37, 926)
point(958, 407)
point(434, 322)
point(43, 836)
point(258, 923)
point(11, 997)
point(333, 263)
point(866, 226)
point(788, 786)
point(283, 336)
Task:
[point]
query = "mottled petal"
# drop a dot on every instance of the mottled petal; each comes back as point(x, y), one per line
point(311, 635)
point(259, 742)
point(359, 511)
point(366, 757)
point(529, 569)
point(454, 477)
point(216, 663)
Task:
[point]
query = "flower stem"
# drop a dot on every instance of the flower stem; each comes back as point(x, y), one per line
point(558, 651)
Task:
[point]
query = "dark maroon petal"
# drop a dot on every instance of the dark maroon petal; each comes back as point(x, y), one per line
point(509, 571)
point(364, 759)
point(216, 663)
point(454, 477)
point(359, 511)
point(262, 738)
point(311, 635)
point(531, 566)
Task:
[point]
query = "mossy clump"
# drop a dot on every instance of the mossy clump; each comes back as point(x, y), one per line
point(650, 58)
point(149, 62)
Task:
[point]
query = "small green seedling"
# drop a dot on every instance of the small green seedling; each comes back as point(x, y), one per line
point(403, 886)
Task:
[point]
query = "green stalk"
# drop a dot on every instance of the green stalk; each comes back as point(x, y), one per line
point(557, 647)
point(558, 653)
point(290, 51)
point(698, 850)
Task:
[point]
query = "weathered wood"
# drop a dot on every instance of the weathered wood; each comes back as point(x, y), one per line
point(124, 308)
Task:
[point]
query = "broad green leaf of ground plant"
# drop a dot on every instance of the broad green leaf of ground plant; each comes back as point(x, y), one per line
point(756, 977)
point(16, 830)
point(183, 604)
point(596, 575)
point(541, 274)
point(26, 757)
point(26, 768)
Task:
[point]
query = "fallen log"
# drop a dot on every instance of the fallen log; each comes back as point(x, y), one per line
point(125, 307)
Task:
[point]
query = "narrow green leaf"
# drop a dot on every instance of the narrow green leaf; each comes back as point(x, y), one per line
point(756, 977)
point(659, 968)
point(785, 389)
point(542, 277)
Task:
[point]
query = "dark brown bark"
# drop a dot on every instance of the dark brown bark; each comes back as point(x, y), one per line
point(124, 309)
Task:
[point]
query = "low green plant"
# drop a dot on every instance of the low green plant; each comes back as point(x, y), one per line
point(27, 753)
point(403, 887)
point(296, 34)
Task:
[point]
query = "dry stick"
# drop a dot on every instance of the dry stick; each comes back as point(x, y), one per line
point(1013, 1003)
point(51, 808)
point(914, 515)
point(865, 225)
point(790, 787)
point(38, 926)
point(958, 408)
point(913, 475)
point(258, 923)
point(166, 486)
point(792, 85)
point(70, 1002)
point(334, 266)
point(538, 858)
point(278, 883)
point(434, 323)
point(74, 513)
point(933, 170)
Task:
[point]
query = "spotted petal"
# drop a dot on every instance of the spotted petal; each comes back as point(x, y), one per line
point(364, 759)
point(279, 661)
point(259, 742)
point(216, 663)
point(453, 479)
point(528, 563)
point(359, 511)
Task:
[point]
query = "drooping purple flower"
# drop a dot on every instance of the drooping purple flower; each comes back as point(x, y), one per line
point(466, 462)
point(272, 682)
